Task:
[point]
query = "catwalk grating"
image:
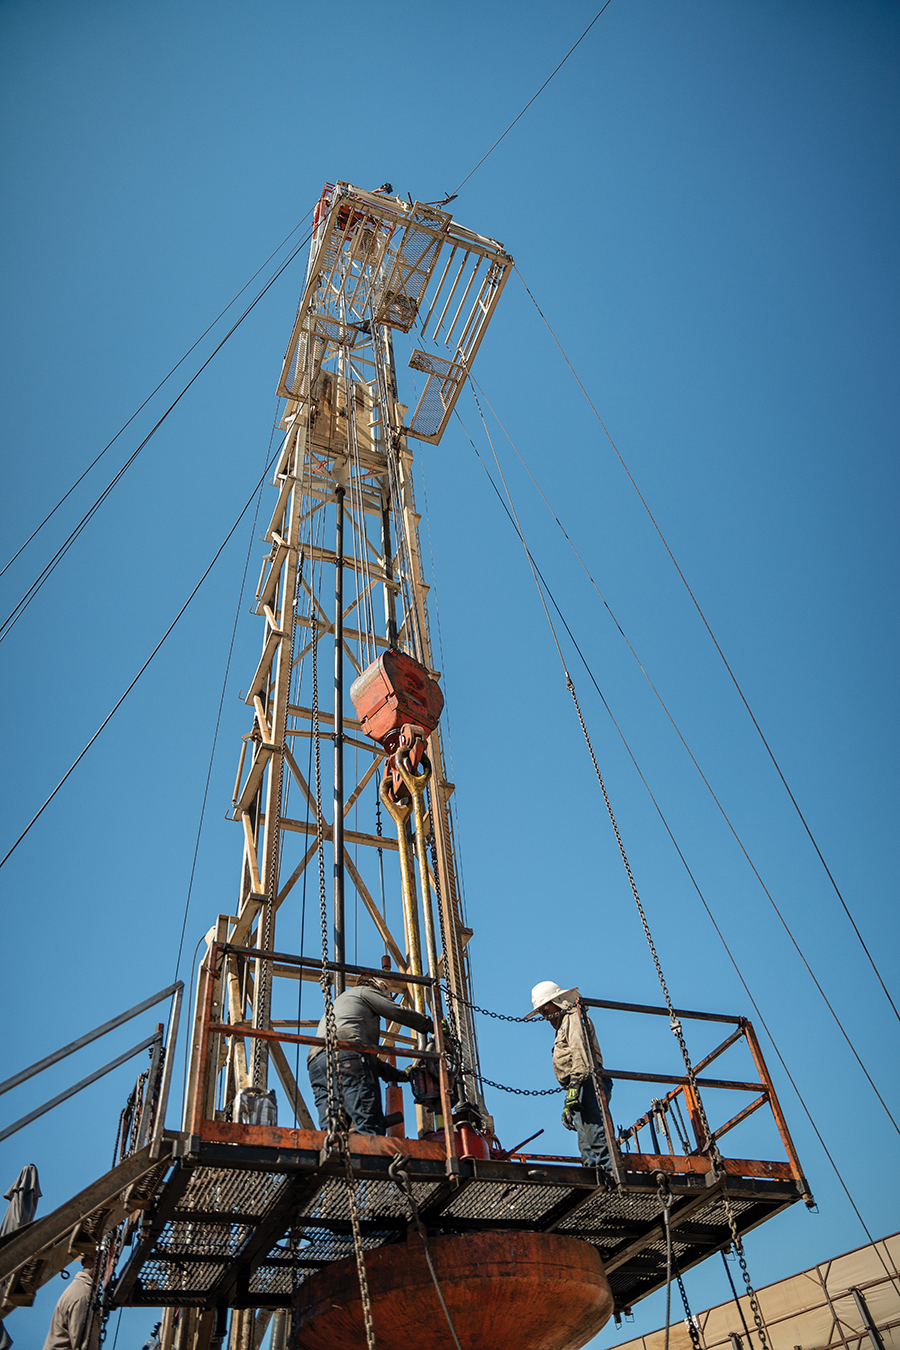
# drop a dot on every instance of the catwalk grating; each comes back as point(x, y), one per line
point(246, 1226)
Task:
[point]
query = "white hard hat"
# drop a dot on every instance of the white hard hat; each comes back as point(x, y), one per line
point(549, 992)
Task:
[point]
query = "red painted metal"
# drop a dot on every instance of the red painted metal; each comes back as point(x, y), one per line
point(277, 1136)
point(762, 1069)
point(509, 1291)
point(471, 1143)
point(393, 690)
point(467, 1141)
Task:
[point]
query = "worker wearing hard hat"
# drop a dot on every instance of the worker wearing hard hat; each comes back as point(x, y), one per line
point(357, 1013)
point(578, 1064)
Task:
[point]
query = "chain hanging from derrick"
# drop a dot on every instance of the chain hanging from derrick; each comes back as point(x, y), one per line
point(664, 1195)
point(267, 917)
point(693, 1332)
point(337, 1135)
point(710, 1146)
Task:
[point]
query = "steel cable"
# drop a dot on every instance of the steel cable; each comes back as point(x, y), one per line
point(800, 1098)
point(532, 99)
point(212, 752)
point(703, 900)
point(123, 697)
point(715, 642)
point(152, 394)
point(711, 1145)
point(25, 600)
point(541, 585)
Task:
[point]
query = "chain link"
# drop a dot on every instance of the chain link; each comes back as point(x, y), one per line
point(501, 1017)
point(522, 1092)
point(486, 1012)
point(338, 1134)
point(688, 1316)
point(710, 1144)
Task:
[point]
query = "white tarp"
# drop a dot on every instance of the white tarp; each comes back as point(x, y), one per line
point(810, 1311)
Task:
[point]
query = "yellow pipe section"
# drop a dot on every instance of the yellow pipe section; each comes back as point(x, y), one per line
point(401, 814)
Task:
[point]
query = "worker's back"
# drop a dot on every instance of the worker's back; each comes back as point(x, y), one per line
point(356, 1013)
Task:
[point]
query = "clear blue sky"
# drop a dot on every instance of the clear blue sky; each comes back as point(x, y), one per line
point(704, 203)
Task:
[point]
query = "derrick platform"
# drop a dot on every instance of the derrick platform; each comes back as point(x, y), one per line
point(247, 1214)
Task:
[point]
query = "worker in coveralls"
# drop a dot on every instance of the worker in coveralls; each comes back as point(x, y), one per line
point(357, 1012)
point(577, 1061)
point(75, 1324)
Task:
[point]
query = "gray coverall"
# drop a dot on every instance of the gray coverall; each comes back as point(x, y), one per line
point(357, 1013)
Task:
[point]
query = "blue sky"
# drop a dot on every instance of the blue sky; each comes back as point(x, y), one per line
point(704, 204)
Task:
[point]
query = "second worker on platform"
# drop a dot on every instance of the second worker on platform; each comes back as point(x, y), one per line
point(578, 1065)
point(357, 1013)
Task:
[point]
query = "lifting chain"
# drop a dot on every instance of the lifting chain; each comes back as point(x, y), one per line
point(337, 1134)
point(688, 1315)
point(665, 1200)
point(486, 1012)
point(710, 1146)
point(522, 1092)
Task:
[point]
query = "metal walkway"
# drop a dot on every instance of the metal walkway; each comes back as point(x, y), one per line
point(242, 1225)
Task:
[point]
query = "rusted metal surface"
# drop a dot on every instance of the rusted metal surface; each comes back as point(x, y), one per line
point(251, 1213)
point(395, 689)
point(783, 1130)
point(503, 1290)
point(277, 1136)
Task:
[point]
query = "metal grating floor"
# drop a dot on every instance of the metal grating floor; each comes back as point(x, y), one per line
point(244, 1227)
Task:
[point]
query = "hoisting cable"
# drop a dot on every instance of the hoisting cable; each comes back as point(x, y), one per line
point(715, 642)
point(737, 1245)
point(159, 644)
point(693, 879)
point(337, 1135)
point(152, 394)
point(724, 814)
point(664, 1195)
point(532, 99)
point(680, 1127)
point(398, 1175)
point(710, 1145)
point(310, 546)
point(25, 600)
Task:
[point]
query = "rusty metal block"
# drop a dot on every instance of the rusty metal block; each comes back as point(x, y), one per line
point(393, 690)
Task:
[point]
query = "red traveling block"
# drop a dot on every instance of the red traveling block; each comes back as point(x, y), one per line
point(393, 690)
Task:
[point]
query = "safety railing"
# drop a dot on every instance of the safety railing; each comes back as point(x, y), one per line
point(668, 1108)
point(153, 1109)
point(211, 1031)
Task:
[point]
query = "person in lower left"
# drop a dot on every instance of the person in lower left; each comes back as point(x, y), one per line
point(357, 1013)
point(75, 1324)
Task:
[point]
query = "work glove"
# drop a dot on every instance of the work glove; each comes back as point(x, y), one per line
point(572, 1104)
point(445, 1029)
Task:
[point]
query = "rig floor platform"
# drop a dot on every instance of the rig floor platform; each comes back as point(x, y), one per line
point(243, 1225)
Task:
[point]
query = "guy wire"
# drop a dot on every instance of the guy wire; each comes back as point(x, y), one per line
point(716, 645)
